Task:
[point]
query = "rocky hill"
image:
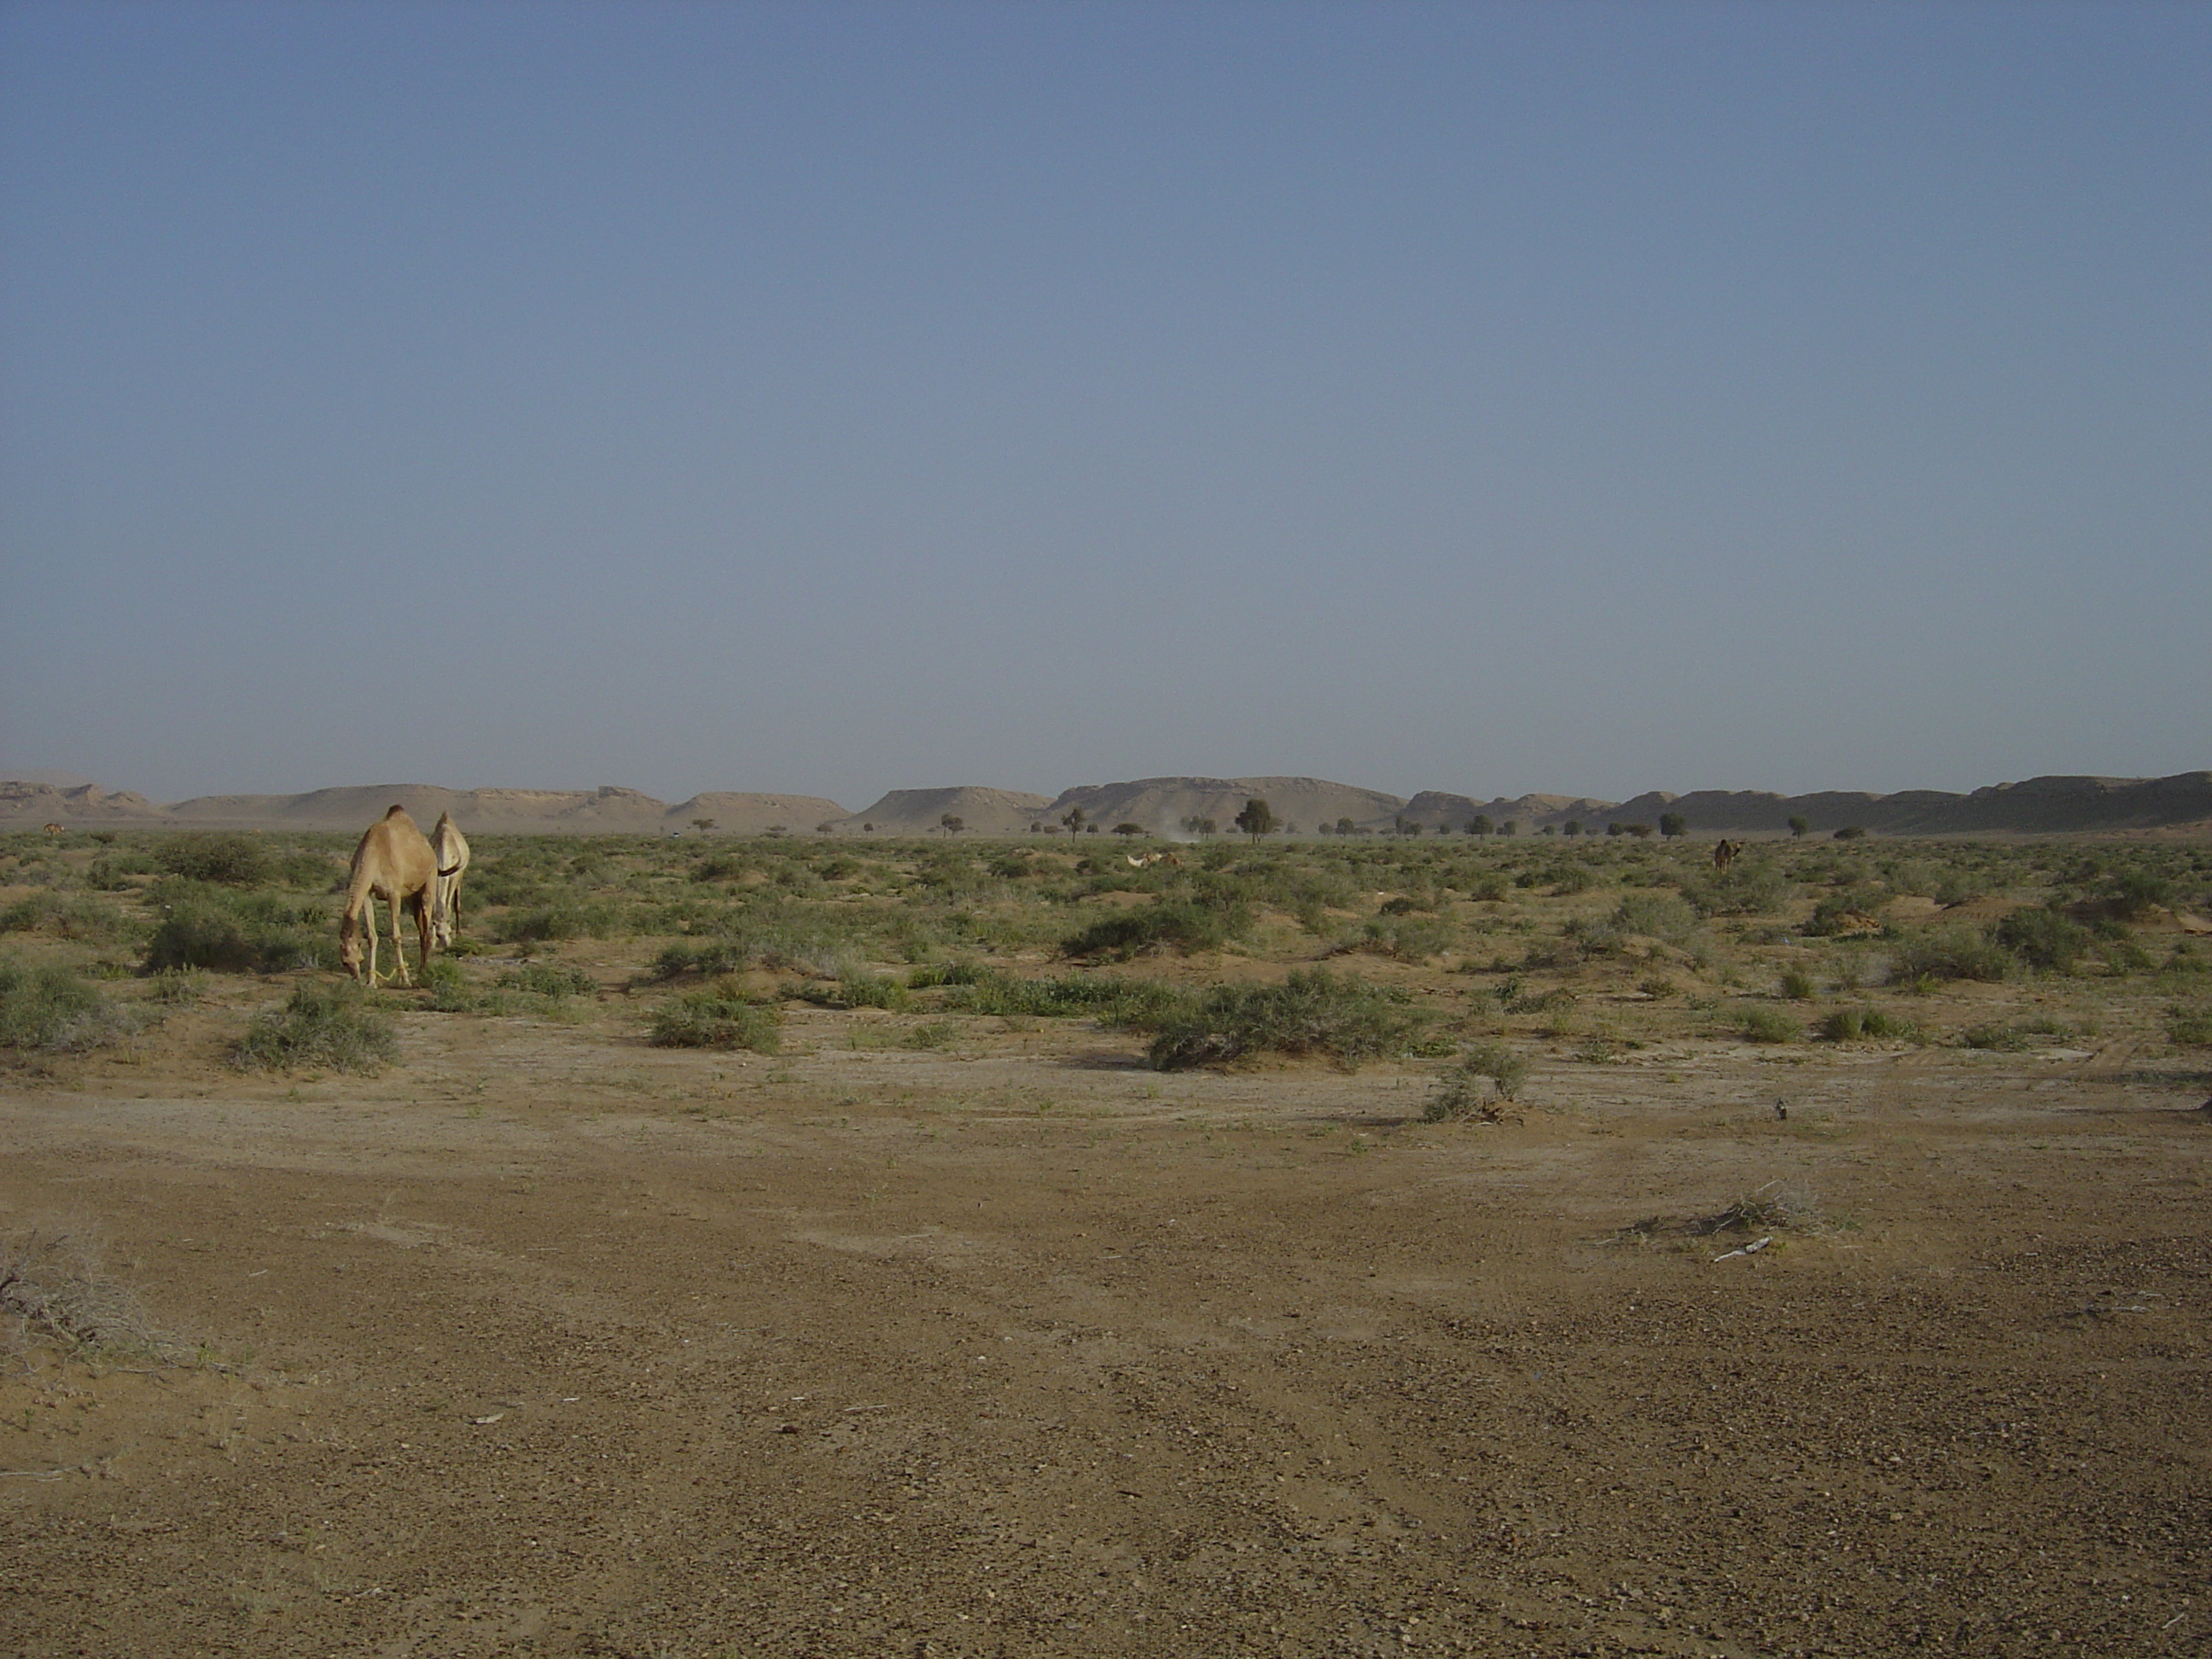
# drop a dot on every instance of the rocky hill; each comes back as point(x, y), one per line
point(1162, 805)
point(922, 812)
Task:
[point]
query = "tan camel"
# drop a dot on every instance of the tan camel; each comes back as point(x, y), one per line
point(53, 830)
point(1724, 854)
point(1151, 859)
point(394, 863)
point(451, 848)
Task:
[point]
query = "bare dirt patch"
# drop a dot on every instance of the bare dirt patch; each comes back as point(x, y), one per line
point(547, 1341)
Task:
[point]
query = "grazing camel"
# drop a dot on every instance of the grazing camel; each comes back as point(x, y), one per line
point(451, 848)
point(1151, 859)
point(394, 863)
point(1724, 854)
point(53, 830)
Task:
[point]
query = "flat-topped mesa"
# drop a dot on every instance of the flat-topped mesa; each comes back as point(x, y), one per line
point(1172, 806)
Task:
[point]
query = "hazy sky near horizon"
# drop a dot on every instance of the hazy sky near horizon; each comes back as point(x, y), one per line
point(835, 398)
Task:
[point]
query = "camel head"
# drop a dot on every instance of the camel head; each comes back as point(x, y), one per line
point(349, 931)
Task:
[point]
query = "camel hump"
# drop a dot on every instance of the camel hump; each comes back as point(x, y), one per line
point(396, 812)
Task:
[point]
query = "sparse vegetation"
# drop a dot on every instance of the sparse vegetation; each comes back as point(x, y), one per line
point(330, 1027)
point(1486, 1077)
point(1311, 1013)
point(719, 1016)
point(49, 1007)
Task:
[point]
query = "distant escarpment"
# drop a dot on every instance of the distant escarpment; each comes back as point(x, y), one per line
point(1175, 807)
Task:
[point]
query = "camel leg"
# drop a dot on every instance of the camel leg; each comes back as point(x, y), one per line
point(399, 951)
point(368, 926)
point(426, 915)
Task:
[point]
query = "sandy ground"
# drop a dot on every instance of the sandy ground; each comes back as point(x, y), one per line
point(549, 1342)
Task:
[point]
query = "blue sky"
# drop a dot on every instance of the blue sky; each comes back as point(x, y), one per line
point(834, 397)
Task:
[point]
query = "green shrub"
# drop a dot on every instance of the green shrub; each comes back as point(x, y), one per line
point(547, 979)
point(326, 1026)
point(931, 975)
point(1770, 1026)
point(1867, 1025)
point(717, 1017)
point(2043, 939)
point(1949, 953)
point(931, 1033)
point(1994, 1035)
point(2189, 1028)
point(1312, 1012)
point(1182, 925)
point(1663, 916)
point(1796, 984)
point(449, 987)
point(1485, 1074)
point(2135, 893)
point(1845, 912)
point(564, 916)
point(49, 1007)
point(241, 933)
point(111, 872)
point(70, 916)
point(1139, 1004)
point(224, 860)
point(1409, 939)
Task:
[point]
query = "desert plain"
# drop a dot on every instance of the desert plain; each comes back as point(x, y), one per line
point(754, 1245)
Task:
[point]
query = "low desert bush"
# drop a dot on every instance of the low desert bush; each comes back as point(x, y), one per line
point(717, 1017)
point(1865, 1025)
point(238, 932)
point(1949, 953)
point(224, 860)
point(1664, 916)
point(54, 1290)
point(1796, 984)
point(2188, 1028)
point(51, 1008)
point(2043, 939)
point(112, 872)
point(1132, 1004)
point(547, 979)
point(322, 1025)
point(1182, 925)
point(1407, 937)
point(930, 975)
point(63, 916)
point(1485, 1075)
point(1313, 1012)
point(1770, 1026)
point(566, 915)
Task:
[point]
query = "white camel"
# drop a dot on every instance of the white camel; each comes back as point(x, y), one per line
point(394, 863)
point(451, 848)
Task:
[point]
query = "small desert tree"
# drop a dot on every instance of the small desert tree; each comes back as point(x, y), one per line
point(1129, 829)
point(952, 823)
point(1074, 819)
point(1574, 827)
point(1800, 828)
point(1481, 826)
point(1257, 819)
point(1672, 824)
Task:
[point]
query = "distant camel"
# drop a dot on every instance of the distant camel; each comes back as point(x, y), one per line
point(451, 848)
point(1724, 852)
point(395, 864)
point(53, 830)
point(1151, 858)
